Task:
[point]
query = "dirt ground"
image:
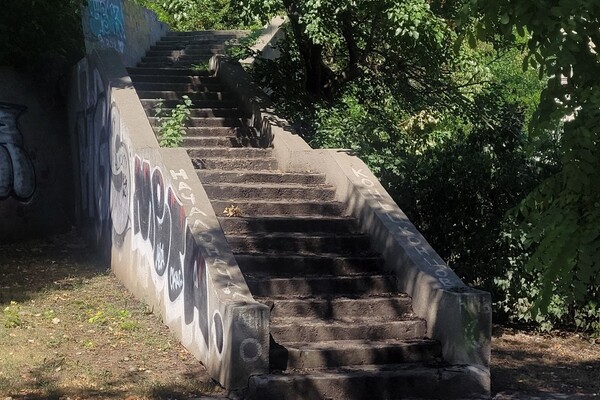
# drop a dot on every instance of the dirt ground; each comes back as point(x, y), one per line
point(70, 330)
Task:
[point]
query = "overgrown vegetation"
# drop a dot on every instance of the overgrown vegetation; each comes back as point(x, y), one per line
point(444, 125)
point(171, 127)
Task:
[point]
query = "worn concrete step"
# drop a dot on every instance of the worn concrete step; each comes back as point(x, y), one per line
point(177, 79)
point(223, 141)
point(178, 95)
point(302, 242)
point(265, 191)
point(240, 153)
point(208, 176)
point(369, 382)
point(207, 121)
point(150, 104)
point(339, 353)
point(210, 33)
point(233, 225)
point(208, 112)
point(294, 263)
point(357, 285)
point(200, 55)
point(199, 61)
point(383, 308)
point(182, 45)
point(168, 72)
point(270, 207)
point(310, 330)
point(179, 87)
point(188, 52)
point(255, 163)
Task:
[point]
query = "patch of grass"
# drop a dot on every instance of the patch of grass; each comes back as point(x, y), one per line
point(11, 316)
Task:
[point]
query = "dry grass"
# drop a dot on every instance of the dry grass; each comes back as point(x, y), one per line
point(68, 329)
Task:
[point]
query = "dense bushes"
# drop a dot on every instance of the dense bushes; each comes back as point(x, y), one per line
point(458, 174)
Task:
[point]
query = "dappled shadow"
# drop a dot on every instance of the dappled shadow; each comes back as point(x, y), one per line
point(52, 263)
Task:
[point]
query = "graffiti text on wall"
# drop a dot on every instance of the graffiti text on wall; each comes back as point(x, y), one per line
point(17, 177)
point(106, 23)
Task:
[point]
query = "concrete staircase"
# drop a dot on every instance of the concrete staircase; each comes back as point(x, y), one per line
point(339, 328)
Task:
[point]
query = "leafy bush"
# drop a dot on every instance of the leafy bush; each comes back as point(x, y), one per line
point(171, 127)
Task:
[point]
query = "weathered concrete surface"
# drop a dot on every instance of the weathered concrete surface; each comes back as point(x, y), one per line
point(266, 43)
point(146, 206)
point(35, 178)
point(122, 25)
point(458, 316)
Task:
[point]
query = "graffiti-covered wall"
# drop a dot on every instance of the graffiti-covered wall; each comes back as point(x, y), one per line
point(35, 180)
point(122, 25)
point(147, 208)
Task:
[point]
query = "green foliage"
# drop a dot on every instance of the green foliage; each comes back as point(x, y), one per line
point(172, 127)
point(43, 37)
point(561, 217)
point(189, 15)
point(242, 48)
point(11, 316)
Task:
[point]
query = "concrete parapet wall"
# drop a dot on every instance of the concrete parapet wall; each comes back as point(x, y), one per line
point(457, 315)
point(122, 25)
point(145, 206)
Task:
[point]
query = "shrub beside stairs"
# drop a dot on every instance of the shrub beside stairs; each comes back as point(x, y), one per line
point(340, 328)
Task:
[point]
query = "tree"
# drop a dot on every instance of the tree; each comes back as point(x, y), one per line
point(561, 217)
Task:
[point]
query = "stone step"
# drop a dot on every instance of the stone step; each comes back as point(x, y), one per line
point(168, 72)
point(208, 176)
point(298, 242)
point(210, 33)
point(339, 353)
point(207, 50)
point(369, 382)
point(239, 153)
point(178, 95)
point(179, 45)
point(356, 285)
point(174, 79)
point(282, 263)
point(260, 207)
point(197, 63)
point(206, 121)
point(381, 308)
point(310, 330)
point(224, 141)
point(265, 191)
point(234, 164)
point(179, 87)
point(149, 104)
point(205, 112)
point(232, 225)
point(200, 55)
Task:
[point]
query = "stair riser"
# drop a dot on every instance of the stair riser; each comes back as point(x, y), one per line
point(292, 358)
point(174, 95)
point(175, 79)
point(174, 64)
point(168, 72)
point(329, 244)
point(235, 153)
point(207, 122)
point(281, 265)
point(219, 141)
point(417, 383)
point(149, 104)
point(232, 225)
point(178, 53)
point(379, 308)
point(373, 331)
point(251, 209)
point(235, 177)
point(268, 193)
point(359, 286)
point(178, 87)
point(255, 164)
point(182, 58)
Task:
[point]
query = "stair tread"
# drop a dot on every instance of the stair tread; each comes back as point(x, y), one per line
point(272, 185)
point(357, 344)
point(369, 254)
point(340, 322)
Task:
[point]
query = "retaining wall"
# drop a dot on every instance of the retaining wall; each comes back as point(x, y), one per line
point(457, 315)
point(146, 207)
point(35, 180)
point(122, 25)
